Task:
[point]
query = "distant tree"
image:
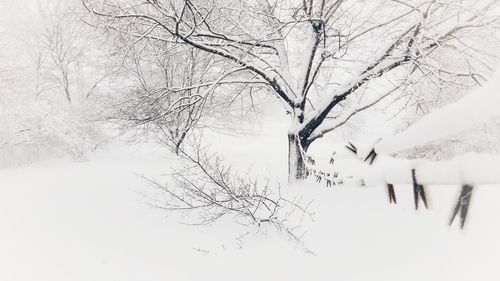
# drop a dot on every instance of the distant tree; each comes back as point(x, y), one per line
point(60, 46)
point(64, 55)
point(320, 58)
point(51, 52)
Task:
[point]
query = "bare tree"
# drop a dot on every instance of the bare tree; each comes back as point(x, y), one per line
point(64, 55)
point(320, 58)
point(61, 42)
point(174, 92)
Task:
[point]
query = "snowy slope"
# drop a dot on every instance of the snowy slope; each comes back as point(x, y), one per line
point(480, 105)
point(62, 220)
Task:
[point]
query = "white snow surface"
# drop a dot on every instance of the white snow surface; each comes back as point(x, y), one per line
point(63, 220)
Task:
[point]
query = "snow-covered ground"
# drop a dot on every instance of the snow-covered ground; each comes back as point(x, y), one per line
point(92, 219)
point(63, 220)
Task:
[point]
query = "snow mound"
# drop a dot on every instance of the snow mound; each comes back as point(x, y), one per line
point(481, 105)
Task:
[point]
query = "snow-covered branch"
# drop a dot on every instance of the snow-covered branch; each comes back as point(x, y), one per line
point(330, 126)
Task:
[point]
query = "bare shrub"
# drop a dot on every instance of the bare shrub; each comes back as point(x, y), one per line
point(206, 189)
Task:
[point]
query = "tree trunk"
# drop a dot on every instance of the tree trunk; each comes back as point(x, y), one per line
point(296, 161)
point(66, 87)
point(179, 142)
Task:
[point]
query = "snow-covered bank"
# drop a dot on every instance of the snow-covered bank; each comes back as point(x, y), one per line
point(480, 105)
point(63, 220)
